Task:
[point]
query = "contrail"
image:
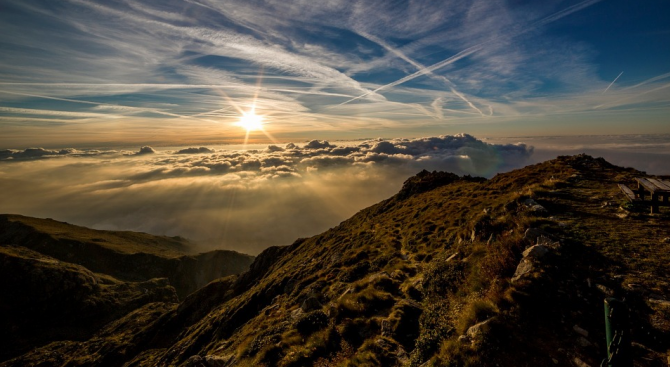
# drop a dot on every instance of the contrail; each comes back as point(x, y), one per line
point(612, 83)
point(656, 78)
point(633, 96)
point(443, 63)
point(128, 108)
point(469, 51)
point(419, 66)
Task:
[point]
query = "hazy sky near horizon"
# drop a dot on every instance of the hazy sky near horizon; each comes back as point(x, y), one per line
point(82, 73)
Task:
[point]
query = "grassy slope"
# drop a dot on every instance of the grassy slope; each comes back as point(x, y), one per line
point(130, 256)
point(44, 299)
point(403, 282)
point(117, 241)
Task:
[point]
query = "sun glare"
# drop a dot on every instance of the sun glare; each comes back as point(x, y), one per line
point(251, 121)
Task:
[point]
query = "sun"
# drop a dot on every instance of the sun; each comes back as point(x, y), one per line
point(250, 121)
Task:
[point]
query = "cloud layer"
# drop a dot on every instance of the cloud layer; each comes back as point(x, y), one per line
point(245, 200)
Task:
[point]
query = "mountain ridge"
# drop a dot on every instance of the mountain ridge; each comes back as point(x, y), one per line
point(452, 271)
point(131, 256)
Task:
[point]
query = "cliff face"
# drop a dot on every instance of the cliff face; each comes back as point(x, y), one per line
point(452, 271)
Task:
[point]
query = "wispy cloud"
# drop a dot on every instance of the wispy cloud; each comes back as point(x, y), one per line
point(186, 60)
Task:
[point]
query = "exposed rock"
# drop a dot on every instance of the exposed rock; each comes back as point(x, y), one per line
point(660, 302)
point(579, 363)
point(477, 331)
point(547, 241)
point(535, 252)
point(530, 203)
point(580, 331)
point(524, 268)
point(538, 210)
point(605, 290)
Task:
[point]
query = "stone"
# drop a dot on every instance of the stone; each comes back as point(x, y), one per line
point(538, 209)
point(604, 290)
point(548, 242)
point(524, 268)
point(297, 313)
point(579, 363)
point(530, 202)
point(660, 302)
point(580, 331)
point(535, 252)
point(477, 330)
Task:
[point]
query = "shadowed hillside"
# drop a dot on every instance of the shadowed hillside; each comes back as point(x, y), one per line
point(131, 256)
point(451, 271)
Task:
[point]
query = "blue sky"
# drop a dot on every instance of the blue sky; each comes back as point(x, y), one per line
point(103, 73)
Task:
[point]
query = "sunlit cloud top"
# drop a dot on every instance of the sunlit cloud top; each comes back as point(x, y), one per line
point(245, 200)
point(79, 72)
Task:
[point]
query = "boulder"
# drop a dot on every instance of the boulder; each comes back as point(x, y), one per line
point(535, 252)
point(524, 268)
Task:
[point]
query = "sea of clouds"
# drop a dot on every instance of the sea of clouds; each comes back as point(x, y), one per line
point(244, 200)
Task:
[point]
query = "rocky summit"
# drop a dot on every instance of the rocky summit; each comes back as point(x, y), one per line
point(451, 271)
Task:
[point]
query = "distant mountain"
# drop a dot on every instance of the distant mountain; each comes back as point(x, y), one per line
point(64, 282)
point(44, 299)
point(130, 256)
point(451, 271)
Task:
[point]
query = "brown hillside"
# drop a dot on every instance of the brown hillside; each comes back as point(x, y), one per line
point(130, 256)
point(442, 274)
